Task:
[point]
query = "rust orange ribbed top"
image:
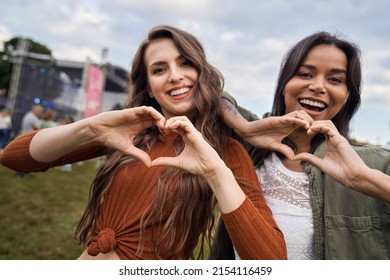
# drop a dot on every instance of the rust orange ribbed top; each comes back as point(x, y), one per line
point(251, 227)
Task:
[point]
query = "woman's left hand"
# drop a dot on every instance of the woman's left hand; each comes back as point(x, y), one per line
point(198, 157)
point(340, 162)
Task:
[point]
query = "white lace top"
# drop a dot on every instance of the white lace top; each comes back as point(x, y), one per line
point(287, 194)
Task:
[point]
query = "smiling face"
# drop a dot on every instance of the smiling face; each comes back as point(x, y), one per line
point(319, 86)
point(171, 78)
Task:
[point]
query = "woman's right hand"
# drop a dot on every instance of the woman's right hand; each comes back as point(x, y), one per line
point(117, 129)
point(269, 132)
point(113, 129)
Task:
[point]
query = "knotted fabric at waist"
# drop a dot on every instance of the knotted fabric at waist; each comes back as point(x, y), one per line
point(104, 242)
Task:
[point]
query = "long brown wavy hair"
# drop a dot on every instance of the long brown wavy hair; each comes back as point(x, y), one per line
point(192, 216)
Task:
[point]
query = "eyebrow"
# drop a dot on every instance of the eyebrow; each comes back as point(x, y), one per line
point(162, 62)
point(157, 63)
point(333, 70)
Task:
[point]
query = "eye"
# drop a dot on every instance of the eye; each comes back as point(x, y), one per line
point(304, 74)
point(186, 63)
point(158, 70)
point(336, 80)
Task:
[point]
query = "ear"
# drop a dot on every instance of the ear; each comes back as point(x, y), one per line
point(149, 91)
point(346, 99)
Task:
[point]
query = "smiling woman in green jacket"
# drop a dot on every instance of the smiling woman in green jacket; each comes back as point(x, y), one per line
point(329, 195)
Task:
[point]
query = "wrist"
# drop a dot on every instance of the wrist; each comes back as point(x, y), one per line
point(225, 188)
point(364, 180)
point(84, 132)
point(217, 174)
point(369, 181)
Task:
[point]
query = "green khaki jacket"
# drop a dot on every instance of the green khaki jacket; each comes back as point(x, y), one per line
point(348, 224)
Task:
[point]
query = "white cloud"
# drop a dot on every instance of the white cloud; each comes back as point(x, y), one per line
point(245, 39)
point(70, 52)
point(5, 35)
point(187, 6)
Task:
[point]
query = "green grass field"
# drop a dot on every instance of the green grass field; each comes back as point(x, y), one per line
point(38, 213)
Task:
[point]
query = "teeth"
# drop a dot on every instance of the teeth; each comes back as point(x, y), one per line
point(312, 103)
point(179, 91)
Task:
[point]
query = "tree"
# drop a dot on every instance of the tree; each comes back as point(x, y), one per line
point(6, 58)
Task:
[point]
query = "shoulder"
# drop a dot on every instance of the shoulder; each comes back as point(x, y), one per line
point(239, 162)
point(234, 145)
point(236, 153)
point(371, 148)
point(247, 114)
point(370, 151)
point(374, 156)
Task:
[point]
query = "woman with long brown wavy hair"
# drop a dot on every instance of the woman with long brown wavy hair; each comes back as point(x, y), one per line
point(169, 163)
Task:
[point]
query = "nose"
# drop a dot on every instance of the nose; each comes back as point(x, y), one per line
point(317, 85)
point(175, 75)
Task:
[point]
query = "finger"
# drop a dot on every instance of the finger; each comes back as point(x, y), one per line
point(301, 118)
point(178, 119)
point(149, 114)
point(139, 154)
point(297, 122)
point(165, 161)
point(179, 125)
point(147, 110)
point(322, 127)
point(158, 117)
point(282, 148)
point(316, 161)
point(304, 116)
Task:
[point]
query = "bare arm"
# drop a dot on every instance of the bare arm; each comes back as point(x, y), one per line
point(266, 133)
point(114, 129)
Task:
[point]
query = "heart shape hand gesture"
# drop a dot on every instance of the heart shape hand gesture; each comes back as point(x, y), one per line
point(340, 162)
point(117, 129)
point(198, 157)
point(268, 133)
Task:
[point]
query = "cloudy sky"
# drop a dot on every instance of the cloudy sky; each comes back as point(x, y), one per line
point(245, 39)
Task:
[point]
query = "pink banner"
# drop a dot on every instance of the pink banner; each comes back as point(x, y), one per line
point(94, 91)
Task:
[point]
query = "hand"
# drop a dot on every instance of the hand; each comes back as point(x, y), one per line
point(340, 162)
point(117, 129)
point(198, 157)
point(269, 132)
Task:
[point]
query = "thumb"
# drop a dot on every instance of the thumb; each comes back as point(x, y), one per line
point(284, 149)
point(165, 161)
point(316, 161)
point(139, 154)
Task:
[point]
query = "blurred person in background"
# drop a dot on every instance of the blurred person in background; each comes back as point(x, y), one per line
point(48, 119)
point(5, 128)
point(31, 120)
